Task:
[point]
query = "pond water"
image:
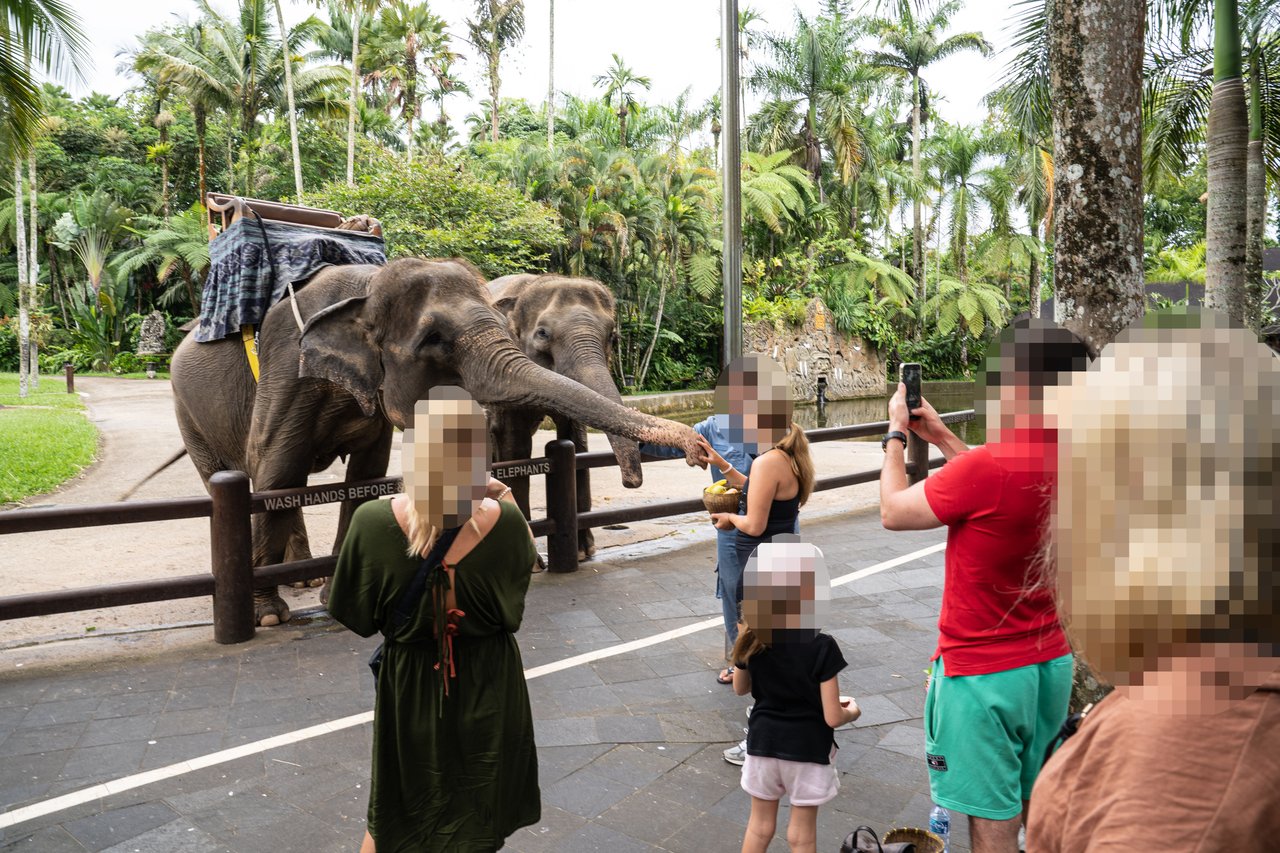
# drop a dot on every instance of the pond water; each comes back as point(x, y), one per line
point(863, 410)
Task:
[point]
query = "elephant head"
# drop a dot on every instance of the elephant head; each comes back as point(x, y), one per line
point(568, 325)
point(414, 324)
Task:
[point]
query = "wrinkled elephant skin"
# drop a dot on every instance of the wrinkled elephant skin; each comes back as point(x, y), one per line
point(375, 341)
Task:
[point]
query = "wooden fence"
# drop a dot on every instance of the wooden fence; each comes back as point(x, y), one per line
point(230, 506)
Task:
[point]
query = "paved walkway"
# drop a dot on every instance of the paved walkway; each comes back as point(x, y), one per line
point(629, 744)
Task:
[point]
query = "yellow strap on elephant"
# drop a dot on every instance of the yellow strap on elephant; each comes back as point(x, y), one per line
point(249, 334)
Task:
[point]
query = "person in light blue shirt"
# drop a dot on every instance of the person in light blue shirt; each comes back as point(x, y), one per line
point(716, 430)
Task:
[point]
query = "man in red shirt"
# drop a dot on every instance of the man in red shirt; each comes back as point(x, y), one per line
point(1002, 670)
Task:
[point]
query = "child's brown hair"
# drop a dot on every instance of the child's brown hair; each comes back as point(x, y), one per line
point(747, 644)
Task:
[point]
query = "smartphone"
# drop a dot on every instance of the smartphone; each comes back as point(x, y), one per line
point(911, 378)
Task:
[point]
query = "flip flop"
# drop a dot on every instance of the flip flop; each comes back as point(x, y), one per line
point(725, 676)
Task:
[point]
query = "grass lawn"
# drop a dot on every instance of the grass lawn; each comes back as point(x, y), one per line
point(44, 439)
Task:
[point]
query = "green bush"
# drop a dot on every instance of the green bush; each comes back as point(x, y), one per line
point(435, 209)
point(127, 362)
point(9, 360)
point(81, 359)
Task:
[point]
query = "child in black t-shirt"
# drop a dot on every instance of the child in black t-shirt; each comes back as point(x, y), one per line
point(790, 668)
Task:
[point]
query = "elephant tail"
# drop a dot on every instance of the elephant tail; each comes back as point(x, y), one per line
point(163, 465)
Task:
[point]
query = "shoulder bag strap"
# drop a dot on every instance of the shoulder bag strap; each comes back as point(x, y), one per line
point(409, 600)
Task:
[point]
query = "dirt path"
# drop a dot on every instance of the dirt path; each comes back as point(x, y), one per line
point(138, 432)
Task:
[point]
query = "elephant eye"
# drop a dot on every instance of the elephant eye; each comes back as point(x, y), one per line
point(541, 333)
point(432, 339)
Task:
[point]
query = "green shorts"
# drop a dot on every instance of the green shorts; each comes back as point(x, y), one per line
point(985, 735)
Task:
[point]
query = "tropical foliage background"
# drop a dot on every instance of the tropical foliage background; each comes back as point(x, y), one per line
point(923, 237)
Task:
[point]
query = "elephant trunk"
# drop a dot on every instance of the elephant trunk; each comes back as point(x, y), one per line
point(590, 367)
point(495, 371)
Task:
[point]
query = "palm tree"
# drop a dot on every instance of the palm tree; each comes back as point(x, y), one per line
point(357, 13)
point(619, 80)
point(498, 25)
point(178, 246)
point(774, 190)
point(974, 305)
point(909, 45)
point(959, 152)
point(1095, 61)
point(293, 112)
point(235, 68)
point(813, 82)
point(551, 78)
point(403, 36)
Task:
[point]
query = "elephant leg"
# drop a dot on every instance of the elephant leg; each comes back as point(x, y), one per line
point(367, 463)
point(512, 433)
point(273, 533)
point(298, 547)
point(578, 434)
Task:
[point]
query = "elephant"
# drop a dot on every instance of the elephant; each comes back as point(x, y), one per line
point(342, 362)
point(566, 325)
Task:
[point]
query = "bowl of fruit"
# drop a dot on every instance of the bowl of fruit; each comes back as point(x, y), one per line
point(720, 497)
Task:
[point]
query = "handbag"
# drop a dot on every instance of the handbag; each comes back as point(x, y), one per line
point(409, 598)
point(864, 840)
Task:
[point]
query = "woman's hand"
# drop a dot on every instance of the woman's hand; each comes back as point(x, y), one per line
point(723, 520)
point(711, 455)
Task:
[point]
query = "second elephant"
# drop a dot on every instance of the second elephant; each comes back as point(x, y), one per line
point(566, 325)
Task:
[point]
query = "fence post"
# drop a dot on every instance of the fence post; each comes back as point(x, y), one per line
point(231, 538)
point(562, 506)
point(70, 370)
point(917, 458)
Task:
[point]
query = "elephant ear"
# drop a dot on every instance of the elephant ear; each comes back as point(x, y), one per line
point(337, 345)
point(505, 305)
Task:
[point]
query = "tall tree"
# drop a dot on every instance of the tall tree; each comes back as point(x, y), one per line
point(151, 58)
point(498, 24)
point(1095, 59)
point(911, 42)
point(287, 58)
point(34, 35)
point(619, 81)
point(551, 78)
point(1228, 148)
point(33, 270)
point(405, 34)
point(24, 284)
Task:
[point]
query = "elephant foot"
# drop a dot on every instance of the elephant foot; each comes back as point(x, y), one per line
point(311, 584)
point(269, 609)
point(586, 546)
point(324, 593)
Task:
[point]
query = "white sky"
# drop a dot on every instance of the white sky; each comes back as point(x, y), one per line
point(671, 41)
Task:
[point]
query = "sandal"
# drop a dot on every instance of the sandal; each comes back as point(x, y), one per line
point(725, 676)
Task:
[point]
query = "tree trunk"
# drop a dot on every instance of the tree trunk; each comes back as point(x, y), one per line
point(356, 20)
point(20, 243)
point(288, 91)
point(1227, 143)
point(1095, 59)
point(1255, 202)
point(494, 85)
point(165, 208)
point(33, 273)
point(657, 325)
point(1033, 275)
point(551, 83)
point(202, 128)
point(917, 238)
point(231, 162)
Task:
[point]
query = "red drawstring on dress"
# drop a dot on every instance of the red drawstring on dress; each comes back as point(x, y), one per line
point(450, 630)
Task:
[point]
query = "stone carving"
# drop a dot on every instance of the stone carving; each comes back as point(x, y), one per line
point(151, 335)
point(817, 351)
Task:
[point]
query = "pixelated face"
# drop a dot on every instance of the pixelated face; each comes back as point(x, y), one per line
point(1030, 356)
point(755, 394)
point(445, 456)
point(1165, 535)
point(785, 588)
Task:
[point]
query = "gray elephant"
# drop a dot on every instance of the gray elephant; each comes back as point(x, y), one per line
point(373, 341)
point(566, 325)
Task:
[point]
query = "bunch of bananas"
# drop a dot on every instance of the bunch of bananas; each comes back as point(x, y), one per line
point(720, 487)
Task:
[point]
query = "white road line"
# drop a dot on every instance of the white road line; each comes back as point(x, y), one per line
point(137, 780)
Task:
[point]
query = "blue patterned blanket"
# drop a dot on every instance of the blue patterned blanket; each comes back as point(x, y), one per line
point(248, 274)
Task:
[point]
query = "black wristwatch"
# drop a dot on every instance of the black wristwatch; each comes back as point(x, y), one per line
point(898, 434)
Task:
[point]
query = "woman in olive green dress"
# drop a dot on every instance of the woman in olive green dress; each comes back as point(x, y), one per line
point(454, 762)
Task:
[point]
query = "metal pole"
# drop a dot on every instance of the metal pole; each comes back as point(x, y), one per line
point(731, 163)
point(562, 506)
point(230, 538)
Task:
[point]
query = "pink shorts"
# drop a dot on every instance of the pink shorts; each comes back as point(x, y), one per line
point(807, 784)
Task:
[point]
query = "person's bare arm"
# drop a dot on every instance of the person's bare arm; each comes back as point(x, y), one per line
point(741, 681)
point(766, 476)
point(835, 714)
point(902, 505)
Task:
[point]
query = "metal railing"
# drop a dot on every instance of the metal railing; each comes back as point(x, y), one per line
point(230, 505)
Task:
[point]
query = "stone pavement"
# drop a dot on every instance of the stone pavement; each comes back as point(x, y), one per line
point(629, 745)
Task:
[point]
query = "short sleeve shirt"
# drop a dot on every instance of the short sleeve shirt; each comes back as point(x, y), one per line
point(787, 721)
point(994, 500)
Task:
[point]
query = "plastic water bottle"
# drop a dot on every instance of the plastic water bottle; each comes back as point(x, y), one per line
point(940, 825)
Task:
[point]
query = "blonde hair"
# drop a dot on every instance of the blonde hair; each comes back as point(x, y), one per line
point(796, 445)
point(427, 449)
point(1165, 531)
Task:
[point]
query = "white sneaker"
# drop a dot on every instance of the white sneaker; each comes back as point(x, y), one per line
point(749, 707)
point(736, 754)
